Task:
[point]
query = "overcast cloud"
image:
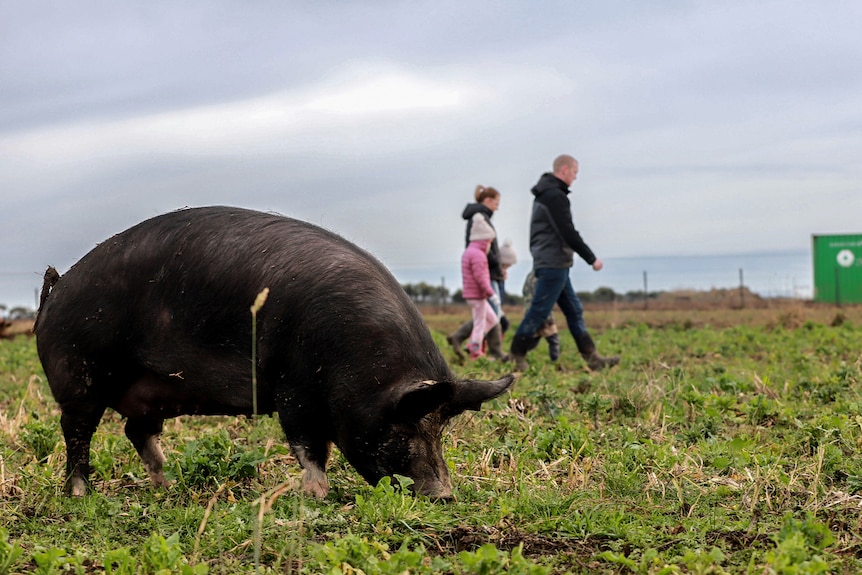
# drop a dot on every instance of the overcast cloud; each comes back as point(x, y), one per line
point(701, 127)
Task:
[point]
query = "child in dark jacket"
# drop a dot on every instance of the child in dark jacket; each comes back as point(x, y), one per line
point(476, 283)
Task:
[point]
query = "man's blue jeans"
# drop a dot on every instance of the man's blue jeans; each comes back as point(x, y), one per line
point(553, 286)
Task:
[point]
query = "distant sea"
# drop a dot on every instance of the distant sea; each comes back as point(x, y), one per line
point(772, 274)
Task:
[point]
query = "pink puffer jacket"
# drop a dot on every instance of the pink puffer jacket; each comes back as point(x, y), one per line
point(475, 274)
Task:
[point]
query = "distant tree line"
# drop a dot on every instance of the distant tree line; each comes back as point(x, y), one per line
point(510, 299)
point(424, 293)
point(18, 312)
point(606, 294)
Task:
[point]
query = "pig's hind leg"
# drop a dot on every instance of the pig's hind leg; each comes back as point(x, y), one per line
point(144, 434)
point(79, 421)
point(82, 405)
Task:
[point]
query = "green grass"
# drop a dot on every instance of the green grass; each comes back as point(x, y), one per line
point(730, 449)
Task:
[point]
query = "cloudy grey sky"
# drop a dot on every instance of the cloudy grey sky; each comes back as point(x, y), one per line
point(702, 127)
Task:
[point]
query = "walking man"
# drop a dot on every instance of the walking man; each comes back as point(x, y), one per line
point(553, 243)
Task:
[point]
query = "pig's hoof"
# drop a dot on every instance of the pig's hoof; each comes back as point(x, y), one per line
point(162, 483)
point(159, 481)
point(315, 490)
point(315, 484)
point(77, 487)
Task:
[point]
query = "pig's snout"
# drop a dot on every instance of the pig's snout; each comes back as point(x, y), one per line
point(435, 489)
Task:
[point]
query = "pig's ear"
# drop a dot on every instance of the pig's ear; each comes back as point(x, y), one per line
point(417, 399)
point(472, 393)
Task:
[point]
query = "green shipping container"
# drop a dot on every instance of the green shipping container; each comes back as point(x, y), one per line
point(838, 268)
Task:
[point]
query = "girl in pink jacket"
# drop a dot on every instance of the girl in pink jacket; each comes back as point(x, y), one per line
point(476, 278)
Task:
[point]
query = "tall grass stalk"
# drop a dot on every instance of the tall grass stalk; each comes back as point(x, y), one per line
point(258, 518)
point(258, 303)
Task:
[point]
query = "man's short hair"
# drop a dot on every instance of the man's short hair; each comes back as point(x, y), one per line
point(562, 161)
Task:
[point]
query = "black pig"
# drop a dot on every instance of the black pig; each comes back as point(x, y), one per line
point(155, 322)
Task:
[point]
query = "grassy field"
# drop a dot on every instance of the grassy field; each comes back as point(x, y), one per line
point(727, 441)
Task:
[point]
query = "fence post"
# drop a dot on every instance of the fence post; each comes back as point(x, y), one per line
point(646, 291)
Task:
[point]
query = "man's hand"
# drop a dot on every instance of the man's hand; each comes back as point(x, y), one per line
point(598, 265)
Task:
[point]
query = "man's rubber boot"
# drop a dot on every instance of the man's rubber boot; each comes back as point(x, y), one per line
point(595, 362)
point(521, 344)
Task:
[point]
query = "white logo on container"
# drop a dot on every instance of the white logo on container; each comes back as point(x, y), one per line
point(845, 258)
